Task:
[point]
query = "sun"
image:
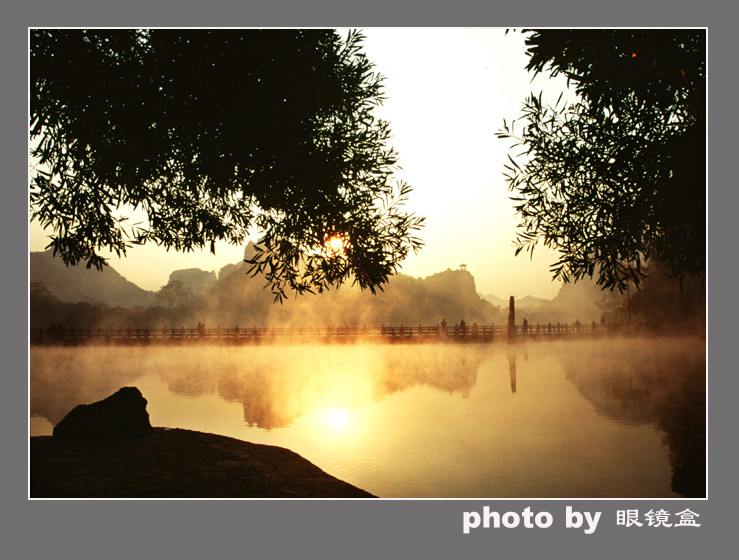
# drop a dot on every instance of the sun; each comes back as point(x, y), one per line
point(335, 245)
point(337, 418)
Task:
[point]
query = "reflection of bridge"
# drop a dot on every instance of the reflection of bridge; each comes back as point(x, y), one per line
point(328, 334)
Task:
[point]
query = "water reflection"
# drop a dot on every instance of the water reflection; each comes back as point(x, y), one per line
point(662, 384)
point(62, 378)
point(537, 420)
point(274, 386)
point(337, 418)
point(512, 368)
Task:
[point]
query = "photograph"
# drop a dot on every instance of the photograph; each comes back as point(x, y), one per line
point(382, 263)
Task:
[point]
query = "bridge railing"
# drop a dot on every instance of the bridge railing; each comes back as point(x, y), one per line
point(164, 335)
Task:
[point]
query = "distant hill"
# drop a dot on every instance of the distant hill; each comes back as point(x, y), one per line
point(526, 301)
point(530, 301)
point(77, 283)
point(199, 281)
point(233, 297)
point(583, 301)
point(495, 300)
point(238, 299)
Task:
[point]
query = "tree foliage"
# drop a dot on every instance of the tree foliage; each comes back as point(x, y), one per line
point(213, 134)
point(174, 294)
point(39, 292)
point(617, 177)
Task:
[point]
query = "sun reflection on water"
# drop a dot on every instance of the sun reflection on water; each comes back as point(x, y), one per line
point(554, 420)
point(337, 418)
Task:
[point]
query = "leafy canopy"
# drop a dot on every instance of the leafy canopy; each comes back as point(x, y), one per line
point(617, 177)
point(212, 134)
point(174, 294)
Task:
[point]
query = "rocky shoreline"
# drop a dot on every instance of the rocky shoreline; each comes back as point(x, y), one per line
point(177, 463)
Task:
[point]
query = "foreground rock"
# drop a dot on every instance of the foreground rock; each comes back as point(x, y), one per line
point(175, 463)
point(121, 416)
point(108, 449)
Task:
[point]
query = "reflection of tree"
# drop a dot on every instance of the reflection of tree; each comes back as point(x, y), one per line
point(652, 383)
point(274, 386)
point(275, 394)
point(62, 378)
point(442, 369)
point(256, 392)
point(193, 380)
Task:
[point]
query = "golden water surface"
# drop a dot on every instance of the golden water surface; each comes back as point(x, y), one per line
point(591, 419)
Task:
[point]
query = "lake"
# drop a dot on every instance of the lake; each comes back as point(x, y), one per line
point(621, 418)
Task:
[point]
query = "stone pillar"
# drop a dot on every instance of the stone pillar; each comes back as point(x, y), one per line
point(511, 320)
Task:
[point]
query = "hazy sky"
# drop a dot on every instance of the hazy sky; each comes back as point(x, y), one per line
point(448, 92)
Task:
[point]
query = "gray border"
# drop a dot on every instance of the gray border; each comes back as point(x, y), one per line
point(390, 528)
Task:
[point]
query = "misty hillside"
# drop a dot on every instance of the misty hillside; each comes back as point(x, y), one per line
point(232, 297)
point(238, 299)
point(495, 300)
point(526, 301)
point(583, 301)
point(530, 301)
point(194, 279)
point(82, 298)
point(77, 283)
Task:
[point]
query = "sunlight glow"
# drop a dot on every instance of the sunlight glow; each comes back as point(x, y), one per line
point(337, 418)
point(335, 245)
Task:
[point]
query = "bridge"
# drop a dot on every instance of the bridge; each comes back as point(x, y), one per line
point(59, 335)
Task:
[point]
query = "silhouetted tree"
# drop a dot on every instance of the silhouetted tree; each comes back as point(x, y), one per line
point(212, 133)
point(38, 291)
point(665, 305)
point(617, 177)
point(174, 294)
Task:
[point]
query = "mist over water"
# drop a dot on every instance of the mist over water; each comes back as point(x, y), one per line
point(608, 418)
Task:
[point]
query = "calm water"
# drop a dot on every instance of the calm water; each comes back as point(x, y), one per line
point(563, 419)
